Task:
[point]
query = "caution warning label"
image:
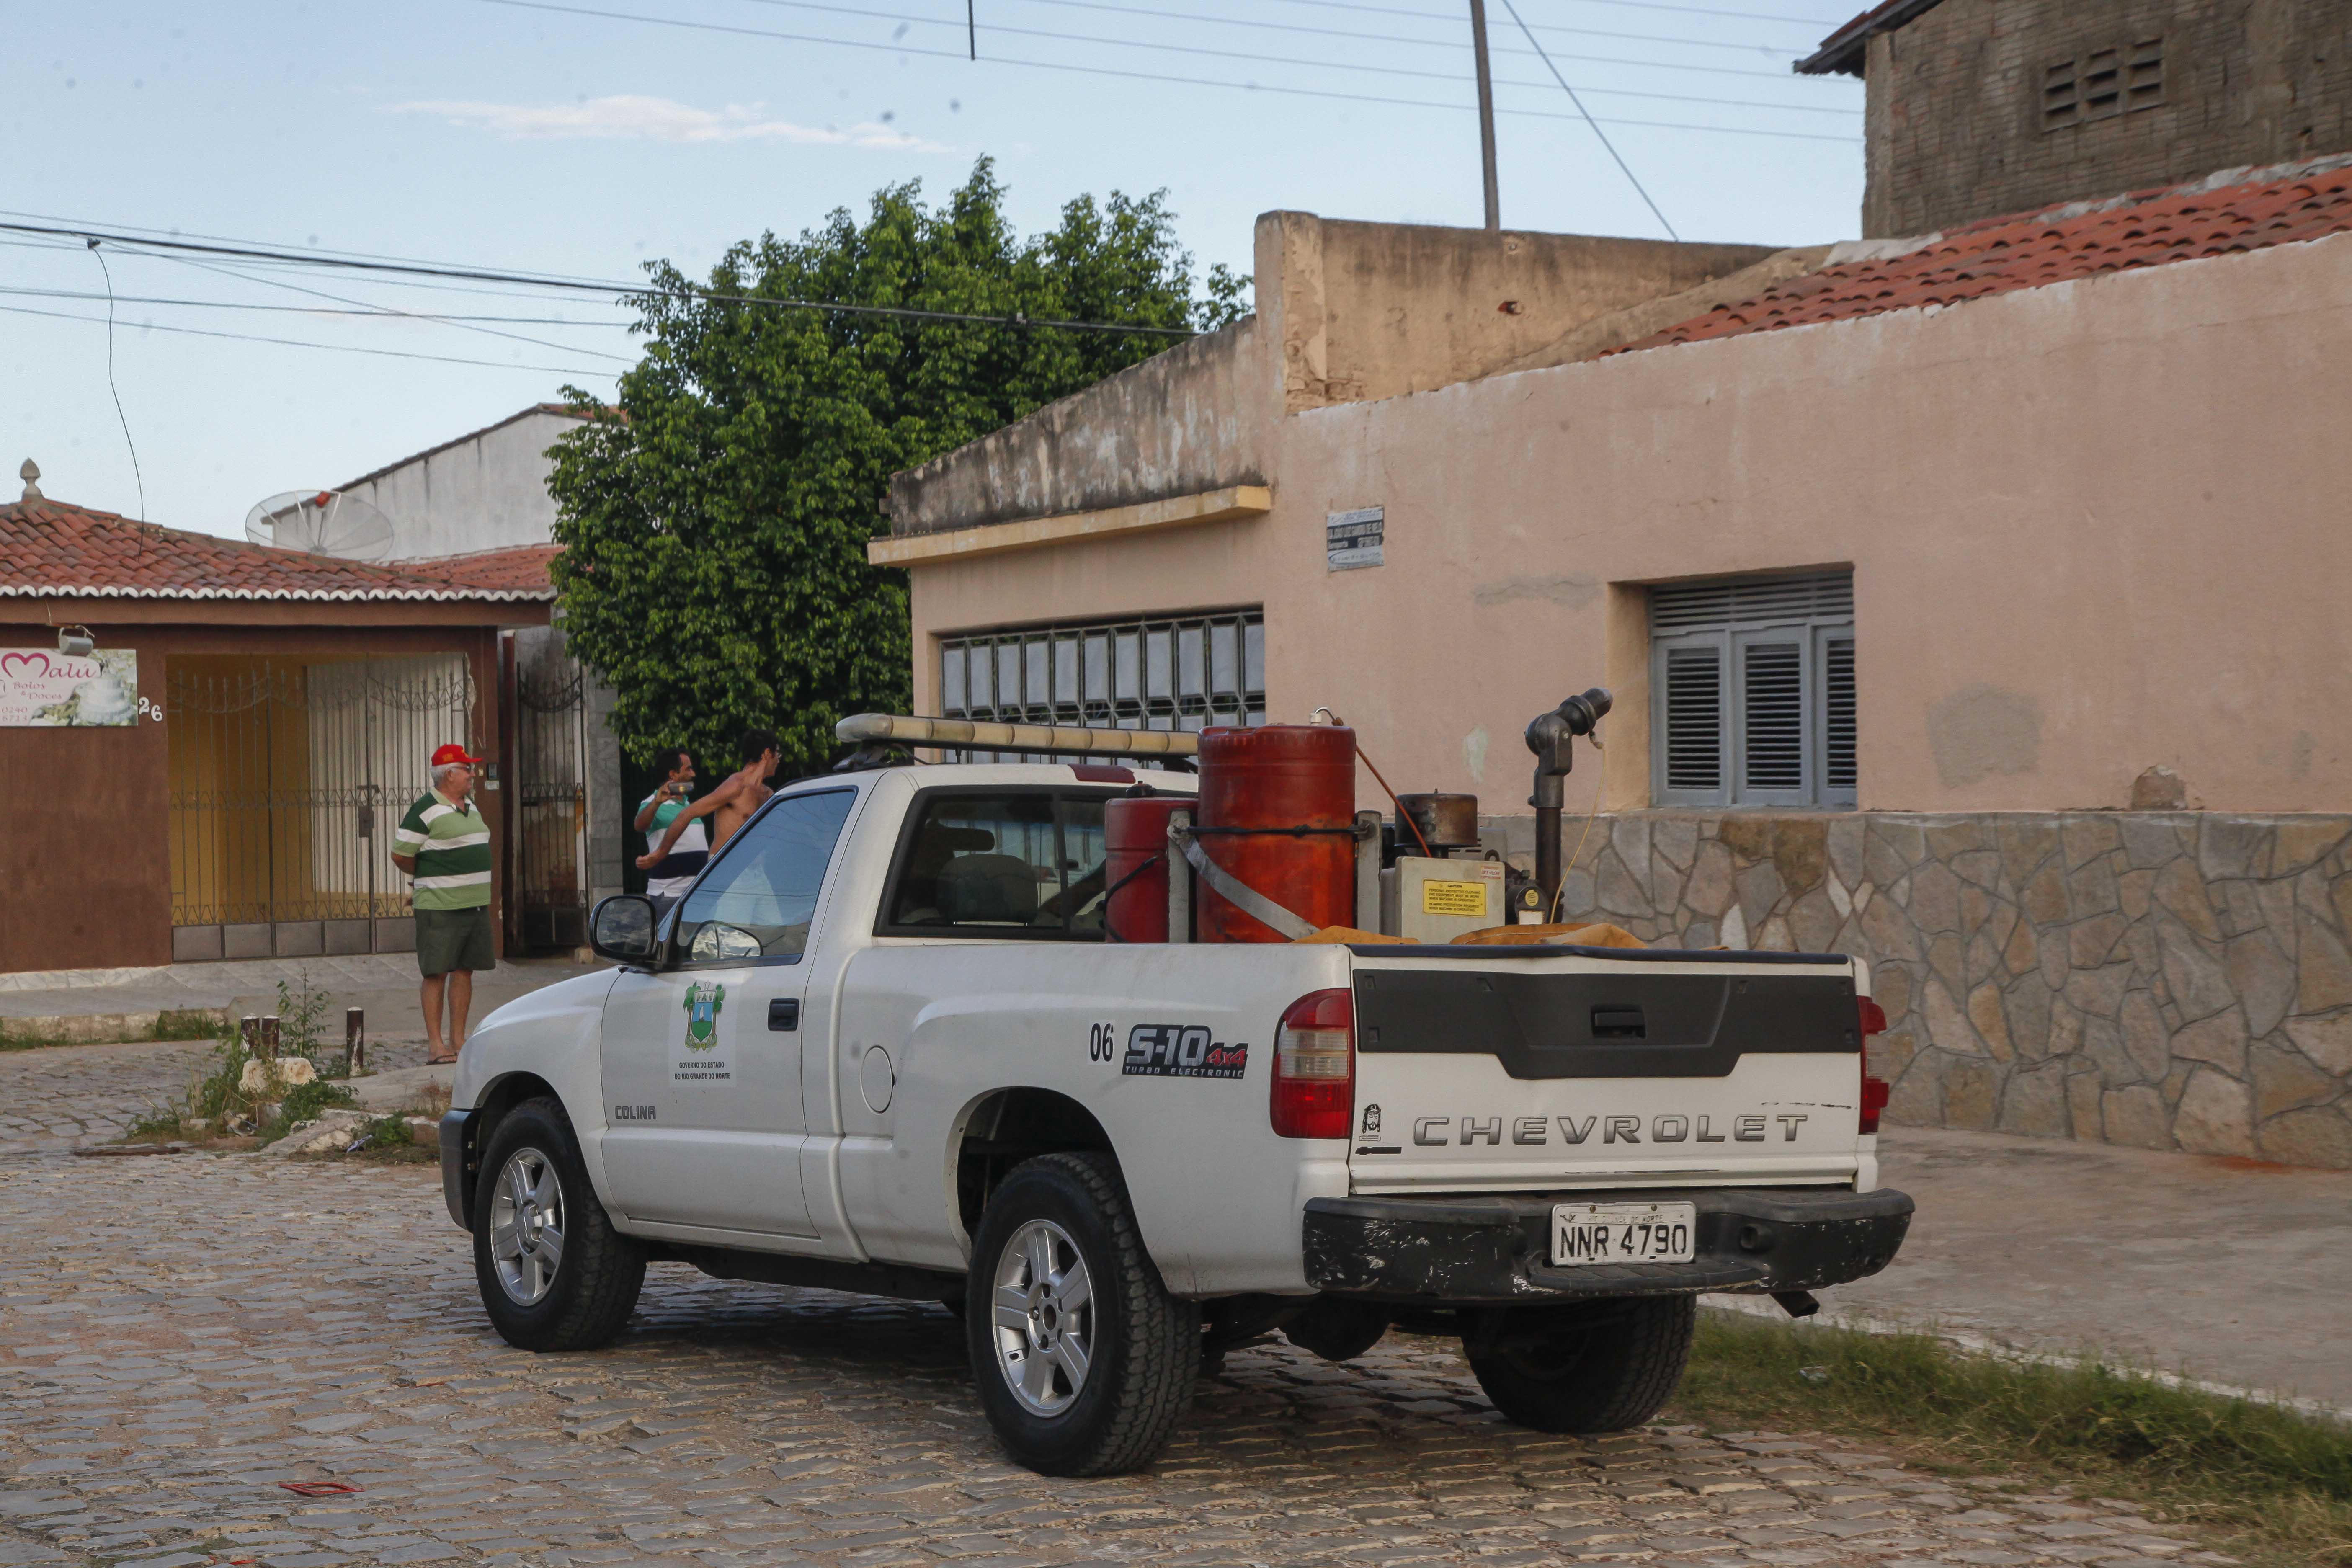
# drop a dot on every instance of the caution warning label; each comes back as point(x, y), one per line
point(1454, 899)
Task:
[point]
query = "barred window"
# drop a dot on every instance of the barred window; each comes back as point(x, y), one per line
point(1752, 692)
point(1184, 672)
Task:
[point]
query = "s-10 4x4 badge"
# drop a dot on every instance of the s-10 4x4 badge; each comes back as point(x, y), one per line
point(703, 1000)
point(1181, 1050)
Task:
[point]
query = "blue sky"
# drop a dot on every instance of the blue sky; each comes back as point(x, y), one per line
point(510, 135)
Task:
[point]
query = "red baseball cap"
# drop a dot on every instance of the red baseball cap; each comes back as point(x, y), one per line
point(453, 753)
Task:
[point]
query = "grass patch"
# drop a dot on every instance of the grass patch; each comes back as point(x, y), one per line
point(303, 1102)
point(2277, 1484)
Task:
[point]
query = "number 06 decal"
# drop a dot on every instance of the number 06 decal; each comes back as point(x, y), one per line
point(1102, 1042)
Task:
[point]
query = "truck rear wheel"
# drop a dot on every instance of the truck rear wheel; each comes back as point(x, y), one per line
point(553, 1273)
point(1083, 1360)
point(1597, 1366)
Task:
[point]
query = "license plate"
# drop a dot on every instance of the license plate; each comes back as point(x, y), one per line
point(1623, 1233)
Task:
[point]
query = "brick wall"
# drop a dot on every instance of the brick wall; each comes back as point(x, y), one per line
point(1956, 114)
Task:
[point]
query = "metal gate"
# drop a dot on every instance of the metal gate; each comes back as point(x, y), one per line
point(287, 780)
point(549, 898)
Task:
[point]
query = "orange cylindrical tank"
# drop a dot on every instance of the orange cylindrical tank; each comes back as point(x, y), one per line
point(1135, 865)
point(1282, 776)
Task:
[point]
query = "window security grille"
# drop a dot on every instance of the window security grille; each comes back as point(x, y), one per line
point(2102, 83)
point(1179, 673)
point(1752, 683)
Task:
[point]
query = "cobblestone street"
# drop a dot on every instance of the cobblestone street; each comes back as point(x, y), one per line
point(179, 1335)
point(53, 1099)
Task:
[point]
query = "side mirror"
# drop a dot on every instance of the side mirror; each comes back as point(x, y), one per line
point(622, 928)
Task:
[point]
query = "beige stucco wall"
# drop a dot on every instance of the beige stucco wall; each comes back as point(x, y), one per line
point(2095, 526)
point(1345, 311)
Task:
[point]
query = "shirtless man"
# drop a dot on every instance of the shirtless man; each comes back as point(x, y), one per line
point(731, 806)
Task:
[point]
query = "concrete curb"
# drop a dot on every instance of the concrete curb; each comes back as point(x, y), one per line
point(114, 1028)
point(1984, 1345)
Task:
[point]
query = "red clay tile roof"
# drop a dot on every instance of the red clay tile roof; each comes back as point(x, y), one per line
point(1843, 50)
point(1997, 256)
point(522, 566)
point(55, 550)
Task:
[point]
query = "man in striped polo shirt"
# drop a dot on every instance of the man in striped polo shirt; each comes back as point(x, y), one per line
point(444, 847)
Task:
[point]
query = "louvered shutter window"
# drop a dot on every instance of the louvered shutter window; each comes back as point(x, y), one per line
point(1753, 691)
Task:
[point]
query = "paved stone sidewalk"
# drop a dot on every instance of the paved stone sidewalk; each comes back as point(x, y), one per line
point(229, 1326)
point(2222, 1269)
point(59, 1096)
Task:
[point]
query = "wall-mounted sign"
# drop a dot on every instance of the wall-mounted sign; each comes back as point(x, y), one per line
point(43, 687)
point(1351, 539)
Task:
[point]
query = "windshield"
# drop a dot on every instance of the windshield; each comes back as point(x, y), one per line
point(757, 902)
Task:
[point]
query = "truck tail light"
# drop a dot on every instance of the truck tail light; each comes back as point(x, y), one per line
point(1875, 1091)
point(1315, 1066)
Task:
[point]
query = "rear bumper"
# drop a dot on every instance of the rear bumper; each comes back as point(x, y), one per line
point(1443, 1251)
point(457, 1166)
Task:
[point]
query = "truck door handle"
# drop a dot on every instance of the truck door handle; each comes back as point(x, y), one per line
point(1619, 1024)
point(783, 1012)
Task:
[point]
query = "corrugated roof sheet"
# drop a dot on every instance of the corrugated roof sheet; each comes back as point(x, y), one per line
point(1843, 50)
point(55, 550)
point(2225, 215)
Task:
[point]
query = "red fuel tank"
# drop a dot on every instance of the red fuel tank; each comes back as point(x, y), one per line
point(1282, 776)
point(1135, 833)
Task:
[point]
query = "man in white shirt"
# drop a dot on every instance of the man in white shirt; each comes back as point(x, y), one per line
point(667, 878)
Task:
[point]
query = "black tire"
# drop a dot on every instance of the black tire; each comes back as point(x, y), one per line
point(587, 1294)
point(1143, 1344)
point(1598, 1366)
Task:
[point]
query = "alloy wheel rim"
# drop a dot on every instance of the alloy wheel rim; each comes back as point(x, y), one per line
point(527, 1226)
point(1042, 1318)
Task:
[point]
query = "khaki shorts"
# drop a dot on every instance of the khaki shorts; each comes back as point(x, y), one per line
point(454, 939)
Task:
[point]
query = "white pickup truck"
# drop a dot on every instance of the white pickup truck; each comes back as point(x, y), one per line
point(883, 1046)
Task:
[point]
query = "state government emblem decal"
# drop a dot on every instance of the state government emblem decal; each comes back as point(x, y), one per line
point(703, 1000)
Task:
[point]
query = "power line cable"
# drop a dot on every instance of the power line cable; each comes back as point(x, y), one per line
point(139, 478)
point(299, 254)
point(304, 343)
point(1288, 60)
point(639, 289)
point(1653, 206)
point(1201, 17)
point(1551, 27)
point(342, 300)
point(363, 315)
point(1148, 76)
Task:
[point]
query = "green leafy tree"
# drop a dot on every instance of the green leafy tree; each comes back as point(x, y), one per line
point(714, 521)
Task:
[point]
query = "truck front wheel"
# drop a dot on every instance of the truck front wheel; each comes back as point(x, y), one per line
point(1596, 1366)
point(1083, 1360)
point(553, 1273)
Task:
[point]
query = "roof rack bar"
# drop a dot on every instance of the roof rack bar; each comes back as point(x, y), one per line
point(978, 735)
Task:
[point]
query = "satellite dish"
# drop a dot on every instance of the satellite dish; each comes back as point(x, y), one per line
point(321, 523)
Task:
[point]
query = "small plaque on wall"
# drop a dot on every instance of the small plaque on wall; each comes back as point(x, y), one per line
point(1353, 539)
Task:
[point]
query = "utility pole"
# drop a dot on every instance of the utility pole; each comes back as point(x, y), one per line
point(1485, 115)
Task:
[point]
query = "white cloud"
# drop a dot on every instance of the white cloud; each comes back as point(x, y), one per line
point(633, 115)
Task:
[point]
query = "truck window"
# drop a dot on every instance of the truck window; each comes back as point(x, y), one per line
point(1025, 862)
point(756, 902)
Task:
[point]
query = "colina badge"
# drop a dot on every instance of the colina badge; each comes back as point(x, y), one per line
point(703, 1000)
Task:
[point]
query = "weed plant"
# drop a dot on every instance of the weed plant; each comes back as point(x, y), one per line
point(2279, 1483)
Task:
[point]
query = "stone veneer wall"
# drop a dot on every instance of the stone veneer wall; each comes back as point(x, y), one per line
point(2162, 979)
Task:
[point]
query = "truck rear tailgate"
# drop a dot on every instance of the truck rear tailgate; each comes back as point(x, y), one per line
point(1516, 1068)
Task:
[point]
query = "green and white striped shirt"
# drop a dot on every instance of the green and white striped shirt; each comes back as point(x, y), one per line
point(452, 846)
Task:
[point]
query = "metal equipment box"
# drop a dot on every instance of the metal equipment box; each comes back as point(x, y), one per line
point(1424, 899)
